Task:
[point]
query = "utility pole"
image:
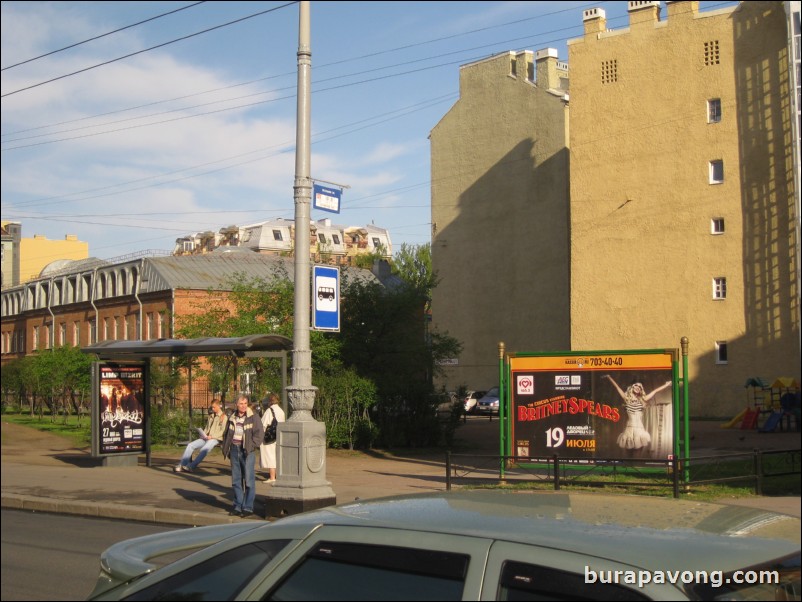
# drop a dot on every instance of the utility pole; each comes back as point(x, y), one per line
point(301, 447)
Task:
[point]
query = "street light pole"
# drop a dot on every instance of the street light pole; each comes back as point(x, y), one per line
point(301, 476)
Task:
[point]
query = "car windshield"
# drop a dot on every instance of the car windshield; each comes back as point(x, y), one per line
point(493, 392)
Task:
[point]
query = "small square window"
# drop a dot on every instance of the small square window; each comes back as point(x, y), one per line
point(719, 288)
point(376, 242)
point(717, 225)
point(716, 171)
point(721, 352)
point(714, 110)
point(277, 235)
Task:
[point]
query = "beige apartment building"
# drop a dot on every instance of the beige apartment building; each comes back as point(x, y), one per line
point(500, 213)
point(682, 218)
point(682, 193)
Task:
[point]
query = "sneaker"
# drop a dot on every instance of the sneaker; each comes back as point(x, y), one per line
point(246, 513)
point(186, 469)
point(178, 468)
point(234, 512)
point(270, 480)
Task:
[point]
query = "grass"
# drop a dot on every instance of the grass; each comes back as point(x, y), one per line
point(75, 429)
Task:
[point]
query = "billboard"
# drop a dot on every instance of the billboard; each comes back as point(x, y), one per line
point(583, 407)
point(118, 407)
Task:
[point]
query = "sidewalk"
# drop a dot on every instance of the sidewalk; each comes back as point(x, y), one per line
point(45, 473)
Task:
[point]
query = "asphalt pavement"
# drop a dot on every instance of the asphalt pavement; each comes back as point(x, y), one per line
point(46, 473)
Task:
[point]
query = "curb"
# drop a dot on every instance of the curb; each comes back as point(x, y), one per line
point(114, 511)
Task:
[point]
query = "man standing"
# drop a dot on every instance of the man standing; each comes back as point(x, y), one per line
point(211, 436)
point(244, 434)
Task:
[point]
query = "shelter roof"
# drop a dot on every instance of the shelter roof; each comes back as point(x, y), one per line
point(238, 346)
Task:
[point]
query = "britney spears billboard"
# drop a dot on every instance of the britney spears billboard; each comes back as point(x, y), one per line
point(607, 405)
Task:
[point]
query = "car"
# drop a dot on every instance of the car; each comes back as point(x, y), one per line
point(470, 399)
point(489, 403)
point(472, 545)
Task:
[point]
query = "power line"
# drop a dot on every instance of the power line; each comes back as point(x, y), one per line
point(192, 35)
point(103, 35)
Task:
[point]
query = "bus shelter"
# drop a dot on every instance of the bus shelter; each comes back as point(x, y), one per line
point(121, 406)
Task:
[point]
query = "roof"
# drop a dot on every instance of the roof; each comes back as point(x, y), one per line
point(659, 533)
point(238, 346)
point(215, 270)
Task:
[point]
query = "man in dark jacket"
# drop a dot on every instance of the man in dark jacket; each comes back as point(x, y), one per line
point(244, 434)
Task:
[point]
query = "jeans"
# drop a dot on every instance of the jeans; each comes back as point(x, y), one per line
point(243, 478)
point(204, 446)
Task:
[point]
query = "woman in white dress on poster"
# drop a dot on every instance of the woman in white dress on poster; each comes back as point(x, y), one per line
point(634, 436)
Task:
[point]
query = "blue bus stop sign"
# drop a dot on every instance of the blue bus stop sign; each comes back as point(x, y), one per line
point(326, 298)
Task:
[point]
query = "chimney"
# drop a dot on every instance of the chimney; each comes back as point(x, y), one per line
point(642, 12)
point(546, 66)
point(595, 20)
point(681, 10)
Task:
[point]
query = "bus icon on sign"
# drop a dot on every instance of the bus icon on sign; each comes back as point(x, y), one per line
point(325, 292)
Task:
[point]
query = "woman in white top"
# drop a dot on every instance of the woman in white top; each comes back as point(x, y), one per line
point(268, 450)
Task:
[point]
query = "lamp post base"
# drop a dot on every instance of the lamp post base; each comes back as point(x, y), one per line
point(301, 483)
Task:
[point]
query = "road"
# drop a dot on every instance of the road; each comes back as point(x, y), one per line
point(56, 557)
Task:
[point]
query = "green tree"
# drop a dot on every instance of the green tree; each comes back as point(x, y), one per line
point(413, 264)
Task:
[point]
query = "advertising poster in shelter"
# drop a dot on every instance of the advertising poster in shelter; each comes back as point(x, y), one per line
point(606, 406)
point(120, 407)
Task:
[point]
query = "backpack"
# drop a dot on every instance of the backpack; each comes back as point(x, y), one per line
point(270, 431)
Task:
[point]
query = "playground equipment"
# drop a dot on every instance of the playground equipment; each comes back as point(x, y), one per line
point(779, 400)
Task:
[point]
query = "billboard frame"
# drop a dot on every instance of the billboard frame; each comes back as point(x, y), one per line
point(646, 364)
point(120, 408)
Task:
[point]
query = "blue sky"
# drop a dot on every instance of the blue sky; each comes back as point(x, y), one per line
point(199, 134)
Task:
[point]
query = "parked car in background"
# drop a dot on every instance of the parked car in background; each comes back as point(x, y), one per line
point(473, 545)
point(489, 403)
point(470, 400)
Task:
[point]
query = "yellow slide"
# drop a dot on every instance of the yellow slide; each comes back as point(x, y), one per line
point(735, 421)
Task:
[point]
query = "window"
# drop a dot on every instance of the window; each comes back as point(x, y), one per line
point(219, 578)
point(376, 242)
point(62, 334)
point(336, 238)
point(721, 352)
point(76, 333)
point(188, 245)
point(719, 288)
point(714, 110)
point(321, 237)
point(609, 71)
point(716, 171)
point(717, 225)
point(349, 571)
point(712, 56)
point(521, 581)
point(277, 235)
point(35, 337)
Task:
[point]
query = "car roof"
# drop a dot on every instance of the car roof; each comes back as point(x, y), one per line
point(645, 532)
